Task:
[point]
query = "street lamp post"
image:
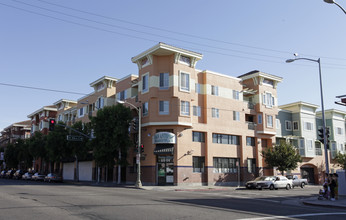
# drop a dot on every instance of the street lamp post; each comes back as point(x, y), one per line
point(322, 104)
point(138, 156)
point(333, 2)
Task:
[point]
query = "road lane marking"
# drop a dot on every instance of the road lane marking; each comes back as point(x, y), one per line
point(294, 216)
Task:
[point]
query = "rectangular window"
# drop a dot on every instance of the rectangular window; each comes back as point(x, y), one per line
point(268, 100)
point(318, 149)
point(198, 164)
point(309, 145)
point(236, 116)
point(235, 95)
point(225, 139)
point(295, 126)
point(185, 82)
point(81, 112)
point(215, 90)
point(225, 165)
point(215, 112)
point(198, 88)
point(164, 80)
point(163, 107)
point(185, 108)
point(198, 136)
point(288, 125)
point(269, 121)
point(250, 141)
point(339, 131)
point(197, 111)
point(145, 83)
point(100, 103)
point(259, 119)
point(251, 165)
point(145, 108)
point(308, 126)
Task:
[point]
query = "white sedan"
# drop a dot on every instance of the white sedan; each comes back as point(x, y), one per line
point(275, 183)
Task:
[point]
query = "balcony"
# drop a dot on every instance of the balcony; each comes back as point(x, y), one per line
point(251, 105)
point(251, 125)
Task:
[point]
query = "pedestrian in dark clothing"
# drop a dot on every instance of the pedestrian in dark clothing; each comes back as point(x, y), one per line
point(332, 186)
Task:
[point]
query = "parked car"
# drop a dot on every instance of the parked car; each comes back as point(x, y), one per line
point(27, 176)
point(9, 174)
point(297, 182)
point(38, 176)
point(3, 173)
point(18, 174)
point(253, 183)
point(275, 182)
point(53, 177)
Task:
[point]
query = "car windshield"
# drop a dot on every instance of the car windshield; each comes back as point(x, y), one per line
point(263, 178)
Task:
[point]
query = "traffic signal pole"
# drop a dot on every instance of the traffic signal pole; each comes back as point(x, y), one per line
point(138, 157)
point(324, 121)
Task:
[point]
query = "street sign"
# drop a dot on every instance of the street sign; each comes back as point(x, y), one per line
point(74, 138)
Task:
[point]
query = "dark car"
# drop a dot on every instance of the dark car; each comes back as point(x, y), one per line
point(9, 174)
point(53, 177)
point(38, 176)
point(18, 174)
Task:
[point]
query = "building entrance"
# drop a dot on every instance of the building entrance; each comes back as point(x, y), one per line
point(308, 173)
point(165, 170)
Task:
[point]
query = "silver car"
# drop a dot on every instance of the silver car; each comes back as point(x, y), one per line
point(38, 176)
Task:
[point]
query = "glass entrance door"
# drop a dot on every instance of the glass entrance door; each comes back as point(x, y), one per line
point(165, 170)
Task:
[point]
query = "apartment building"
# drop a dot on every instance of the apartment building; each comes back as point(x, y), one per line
point(70, 112)
point(18, 130)
point(198, 127)
point(298, 123)
point(40, 123)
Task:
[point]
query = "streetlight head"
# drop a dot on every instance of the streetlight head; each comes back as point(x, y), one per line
point(120, 102)
point(329, 1)
point(295, 54)
point(290, 60)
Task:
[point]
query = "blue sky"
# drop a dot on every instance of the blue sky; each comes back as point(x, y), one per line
point(89, 39)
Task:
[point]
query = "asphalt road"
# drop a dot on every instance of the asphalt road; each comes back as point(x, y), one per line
point(32, 200)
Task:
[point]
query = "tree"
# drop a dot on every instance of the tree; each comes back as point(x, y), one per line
point(37, 148)
point(56, 144)
point(11, 158)
point(283, 156)
point(112, 137)
point(24, 156)
point(341, 160)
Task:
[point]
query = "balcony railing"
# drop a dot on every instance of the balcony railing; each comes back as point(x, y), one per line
point(251, 105)
point(251, 125)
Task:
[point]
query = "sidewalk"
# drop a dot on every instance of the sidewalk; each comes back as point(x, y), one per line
point(340, 203)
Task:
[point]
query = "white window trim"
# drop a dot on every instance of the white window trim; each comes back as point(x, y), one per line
point(147, 89)
point(180, 77)
point(290, 125)
point(309, 144)
point(215, 113)
point(184, 113)
point(272, 121)
point(297, 126)
point(164, 112)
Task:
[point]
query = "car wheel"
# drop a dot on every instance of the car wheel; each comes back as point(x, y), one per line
point(271, 187)
point(302, 185)
point(288, 186)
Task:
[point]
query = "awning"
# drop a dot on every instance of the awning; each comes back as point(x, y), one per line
point(161, 149)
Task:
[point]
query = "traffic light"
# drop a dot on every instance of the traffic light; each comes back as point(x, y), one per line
point(51, 124)
point(321, 135)
point(142, 148)
point(135, 124)
point(327, 136)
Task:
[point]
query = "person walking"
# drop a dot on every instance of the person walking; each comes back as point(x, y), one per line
point(332, 186)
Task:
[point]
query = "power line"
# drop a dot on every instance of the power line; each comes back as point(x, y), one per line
point(137, 37)
point(42, 89)
point(179, 33)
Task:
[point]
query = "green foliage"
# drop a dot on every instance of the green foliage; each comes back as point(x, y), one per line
point(24, 157)
point(11, 156)
point(56, 145)
point(37, 144)
point(79, 148)
point(111, 131)
point(283, 156)
point(341, 160)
